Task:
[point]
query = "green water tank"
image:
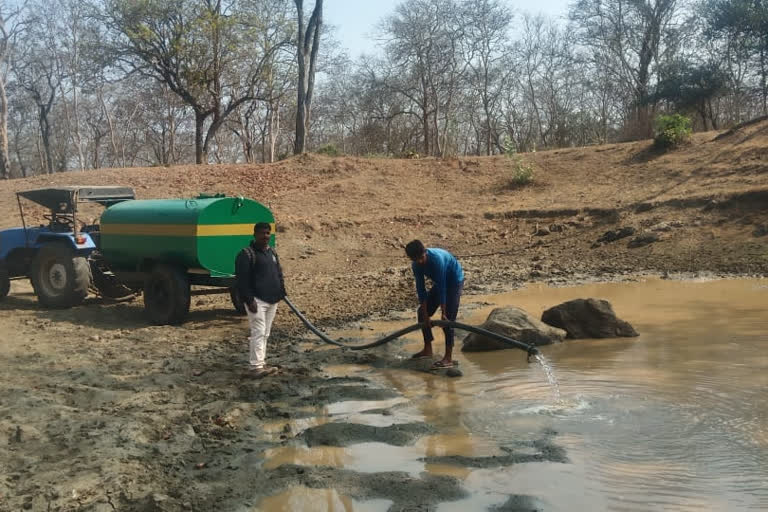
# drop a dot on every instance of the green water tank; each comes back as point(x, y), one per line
point(202, 235)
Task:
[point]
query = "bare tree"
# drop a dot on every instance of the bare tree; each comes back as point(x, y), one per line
point(38, 75)
point(198, 48)
point(39, 79)
point(629, 38)
point(65, 23)
point(10, 28)
point(424, 66)
point(308, 43)
point(736, 32)
point(22, 134)
point(258, 122)
point(487, 25)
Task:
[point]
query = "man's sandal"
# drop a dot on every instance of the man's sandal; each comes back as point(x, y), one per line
point(257, 373)
point(443, 364)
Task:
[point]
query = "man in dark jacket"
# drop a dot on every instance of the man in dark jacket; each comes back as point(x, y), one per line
point(261, 286)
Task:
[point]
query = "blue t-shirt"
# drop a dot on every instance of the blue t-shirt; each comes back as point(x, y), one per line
point(442, 268)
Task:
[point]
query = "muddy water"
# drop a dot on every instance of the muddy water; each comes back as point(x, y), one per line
point(675, 419)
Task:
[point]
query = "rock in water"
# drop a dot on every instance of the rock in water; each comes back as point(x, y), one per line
point(513, 323)
point(453, 372)
point(587, 318)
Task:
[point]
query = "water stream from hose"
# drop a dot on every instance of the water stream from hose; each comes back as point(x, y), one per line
point(550, 373)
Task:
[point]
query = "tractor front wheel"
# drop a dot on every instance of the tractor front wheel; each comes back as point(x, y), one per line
point(59, 277)
point(166, 295)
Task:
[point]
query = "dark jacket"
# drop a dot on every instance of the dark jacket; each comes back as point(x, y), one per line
point(259, 275)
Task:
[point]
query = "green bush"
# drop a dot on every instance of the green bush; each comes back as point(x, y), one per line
point(671, 131)
point(329, 150)
point(522, 172)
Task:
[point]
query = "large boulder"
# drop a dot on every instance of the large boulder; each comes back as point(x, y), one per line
point(587, 318)
point(513, 323)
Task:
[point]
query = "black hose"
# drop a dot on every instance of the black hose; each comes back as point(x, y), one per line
point(530, 349)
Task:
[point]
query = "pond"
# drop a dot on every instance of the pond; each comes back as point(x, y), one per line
point(675, 419)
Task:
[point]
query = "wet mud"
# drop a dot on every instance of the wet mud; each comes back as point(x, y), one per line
point(345, 434)
point(541, 450)
point(406, 492)
point(180, 425)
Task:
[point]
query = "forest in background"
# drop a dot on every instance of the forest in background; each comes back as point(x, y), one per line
point(122, 83)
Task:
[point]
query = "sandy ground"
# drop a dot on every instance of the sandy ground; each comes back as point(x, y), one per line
point(101, 412)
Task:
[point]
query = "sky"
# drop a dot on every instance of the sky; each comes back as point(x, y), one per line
point(356, 20)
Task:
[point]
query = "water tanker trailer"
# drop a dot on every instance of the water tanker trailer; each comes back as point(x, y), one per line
point(167, 245)
point(160, 247)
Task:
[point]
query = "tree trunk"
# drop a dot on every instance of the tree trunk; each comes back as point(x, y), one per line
point(76, 134)
point(45, 134)
point(96, 145)
point(171, 131)
point(110, 125)
point(298, 146)
point(200, 156)
point(487, 135)
point(712, 116)
point(244, 134)
point(274, 129)
point(5, 162)
point(308, 44)
point(19, 157)
point(764, 77)
point(40, 153)
point(211, 136)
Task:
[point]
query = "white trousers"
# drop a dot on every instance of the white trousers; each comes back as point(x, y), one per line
point(261, 325)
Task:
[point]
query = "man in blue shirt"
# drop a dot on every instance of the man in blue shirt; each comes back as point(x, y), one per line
point(447, 277)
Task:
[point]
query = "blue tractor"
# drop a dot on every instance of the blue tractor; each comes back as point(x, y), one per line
point(60, 256)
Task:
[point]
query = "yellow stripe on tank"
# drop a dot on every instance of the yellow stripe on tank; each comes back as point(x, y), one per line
point(180, 229)
point(227, 229)
point(150, 229)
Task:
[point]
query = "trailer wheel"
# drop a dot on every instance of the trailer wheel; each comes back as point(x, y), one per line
point(60, 278)
point(5, 283)
point(166, 295)
point(237, 301)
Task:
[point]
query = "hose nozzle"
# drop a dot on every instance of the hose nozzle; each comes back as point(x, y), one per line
point(532, 351)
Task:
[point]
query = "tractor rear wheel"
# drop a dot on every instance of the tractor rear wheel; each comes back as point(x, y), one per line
point(5, 282)
point(166, 295)
point(60, 278)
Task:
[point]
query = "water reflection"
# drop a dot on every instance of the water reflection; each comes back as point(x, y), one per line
point(319, 500)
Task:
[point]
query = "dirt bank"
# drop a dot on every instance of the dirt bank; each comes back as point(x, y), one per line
point(101, 412)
